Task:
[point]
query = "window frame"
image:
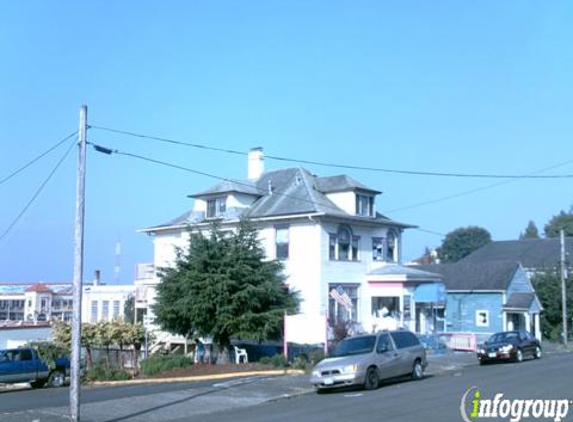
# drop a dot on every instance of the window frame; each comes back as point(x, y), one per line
point(347, 250)
point(216, 207)
point(282, 249)
point(485, 312)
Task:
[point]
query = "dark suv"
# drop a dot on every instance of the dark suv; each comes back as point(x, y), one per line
point(367, 359)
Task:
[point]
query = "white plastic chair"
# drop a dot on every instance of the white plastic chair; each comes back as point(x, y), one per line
point(241, 353)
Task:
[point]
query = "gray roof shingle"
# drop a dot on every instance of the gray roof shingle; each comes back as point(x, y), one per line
point(520, 300)
point(532, 253)
point(469, 276)
point(291, 191)
point(340, 183)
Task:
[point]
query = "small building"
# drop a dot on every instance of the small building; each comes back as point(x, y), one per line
point(487, 297)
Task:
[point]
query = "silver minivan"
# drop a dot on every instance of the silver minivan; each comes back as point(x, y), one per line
point(367, 359)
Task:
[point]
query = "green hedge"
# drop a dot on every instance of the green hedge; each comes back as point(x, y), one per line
point(157, 364)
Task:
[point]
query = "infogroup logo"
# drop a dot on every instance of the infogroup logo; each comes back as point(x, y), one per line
point(475, 407)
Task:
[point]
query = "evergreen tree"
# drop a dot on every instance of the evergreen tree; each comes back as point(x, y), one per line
point(561, 221)
point(224, 287)
point(461, 242)
point(547, 286)
point(531, 231)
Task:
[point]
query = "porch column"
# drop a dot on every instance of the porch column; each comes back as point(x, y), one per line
point(537, 333)
point(527, 321)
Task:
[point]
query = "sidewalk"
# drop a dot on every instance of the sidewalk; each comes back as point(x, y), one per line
point(225, 392)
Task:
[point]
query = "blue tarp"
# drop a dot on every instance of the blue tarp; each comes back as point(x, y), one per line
point(430, 293)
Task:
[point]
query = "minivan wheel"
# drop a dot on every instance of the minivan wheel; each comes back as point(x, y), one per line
point(519, 356)
point(417, 371)
point(371, 381)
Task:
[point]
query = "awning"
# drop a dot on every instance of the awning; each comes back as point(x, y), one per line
point(430, 293)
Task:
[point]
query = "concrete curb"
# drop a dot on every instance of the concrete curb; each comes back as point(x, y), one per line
point(199, 377)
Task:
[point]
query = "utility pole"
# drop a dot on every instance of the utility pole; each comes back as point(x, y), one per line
point(563, 287)
point(78, 270)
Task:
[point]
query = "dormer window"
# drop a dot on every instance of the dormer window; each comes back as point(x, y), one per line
point(216, 207)
point(364, 205)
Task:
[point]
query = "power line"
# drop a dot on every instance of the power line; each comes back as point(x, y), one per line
point(109, 151)
point(33, 198)
point(457, 195)
point(25, 166)
point(342, 166)
point(169, 141)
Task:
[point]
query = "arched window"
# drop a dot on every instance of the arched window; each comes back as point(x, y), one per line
point(344, 246)
point(392, 246)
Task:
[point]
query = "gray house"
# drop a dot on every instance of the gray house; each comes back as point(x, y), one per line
point(487, 297)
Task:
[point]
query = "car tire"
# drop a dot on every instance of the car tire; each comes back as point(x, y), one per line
point(56, 379)
point(519, 356)
point(538, 353)
point(38, 383)
point(371, 381)
point(417, 370)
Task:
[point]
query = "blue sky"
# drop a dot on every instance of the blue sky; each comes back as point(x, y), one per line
point(441, 86)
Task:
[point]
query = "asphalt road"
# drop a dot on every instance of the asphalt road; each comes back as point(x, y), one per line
point(436, 398)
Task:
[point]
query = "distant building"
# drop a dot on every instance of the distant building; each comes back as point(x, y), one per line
point(44, 302)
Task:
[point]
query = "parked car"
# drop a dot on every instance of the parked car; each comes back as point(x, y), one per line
point(24, 365)
point(509, 345)
point(367, 359)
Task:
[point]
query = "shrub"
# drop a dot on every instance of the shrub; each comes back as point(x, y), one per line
point(300, 362)
point(317, 356)
point(265, 360)
point(156, 364)
point(278, 361)
point(100, 372)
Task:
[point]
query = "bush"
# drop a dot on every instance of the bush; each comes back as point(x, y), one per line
point(265, 360)
point(317, 356)
point(100, 372)
point(300, 362)
point(156, 364)
point(278, 361)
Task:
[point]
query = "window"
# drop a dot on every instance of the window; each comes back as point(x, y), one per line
point(337, 312)
point(43, 304)
point(105, 310)
point(282, 242)
point(364, 205)
point(115, 309)
point(378, 249)
point(482, 318)
point(216, 207)
point(384, 344)
point(344, 246)
point(94, 311)
point(391, 247)
point(404, 339)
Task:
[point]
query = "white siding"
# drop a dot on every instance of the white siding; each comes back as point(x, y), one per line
point(344, 200)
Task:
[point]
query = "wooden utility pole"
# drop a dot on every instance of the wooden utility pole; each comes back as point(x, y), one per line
point(563, 286)
point(78, 270)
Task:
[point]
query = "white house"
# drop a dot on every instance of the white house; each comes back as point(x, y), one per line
point(339, 252)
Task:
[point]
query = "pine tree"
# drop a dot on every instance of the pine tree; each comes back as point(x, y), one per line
point(221, 287)
point(531, 231)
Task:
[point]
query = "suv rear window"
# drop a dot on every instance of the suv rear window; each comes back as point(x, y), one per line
point(404, 339)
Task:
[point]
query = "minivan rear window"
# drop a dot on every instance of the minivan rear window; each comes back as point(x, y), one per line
point(405, 339)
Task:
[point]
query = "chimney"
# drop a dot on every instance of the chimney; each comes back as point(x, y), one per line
point(97, 277)
point(256, 163)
